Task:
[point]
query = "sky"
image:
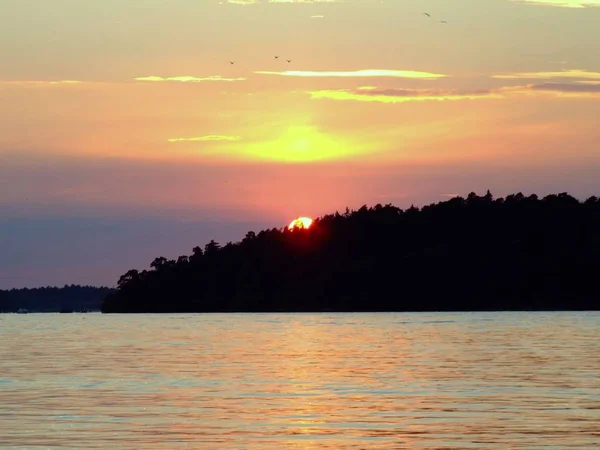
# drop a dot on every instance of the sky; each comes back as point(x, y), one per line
point(126, 133)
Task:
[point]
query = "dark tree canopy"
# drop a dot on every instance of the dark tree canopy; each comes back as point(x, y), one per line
point(478, 253)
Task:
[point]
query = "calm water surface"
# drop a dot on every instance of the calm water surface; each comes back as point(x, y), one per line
point(305, 381)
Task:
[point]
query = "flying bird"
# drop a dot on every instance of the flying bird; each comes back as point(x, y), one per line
point(230, 62)
point(277, 57)
point(443, 21)
point(289, 60)
point(427, 14)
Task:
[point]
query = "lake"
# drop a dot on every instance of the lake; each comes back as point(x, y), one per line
point(300, 381)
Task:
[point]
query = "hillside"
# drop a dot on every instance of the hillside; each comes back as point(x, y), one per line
point(478, 253)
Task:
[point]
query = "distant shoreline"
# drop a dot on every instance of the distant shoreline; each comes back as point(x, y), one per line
point(307, 312)
point(66, 300)
point(357, 312)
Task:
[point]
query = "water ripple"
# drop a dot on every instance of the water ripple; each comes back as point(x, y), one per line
point(300, 381)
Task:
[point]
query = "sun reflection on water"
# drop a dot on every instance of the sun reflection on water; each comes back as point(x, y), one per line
point(263, 381)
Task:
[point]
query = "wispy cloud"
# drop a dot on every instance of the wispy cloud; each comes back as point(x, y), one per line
point(567, 88)
point(317, 17)
point(212, 137)
point(554, 90)
point(358, 74)
point(562, 3)
point(40, 83)
point(188, 79)
point(371, 94)
point(572, 74)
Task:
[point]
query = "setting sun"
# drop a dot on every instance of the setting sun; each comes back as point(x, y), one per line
point(301, 222)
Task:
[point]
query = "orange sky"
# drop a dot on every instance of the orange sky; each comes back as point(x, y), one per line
point(133, 109)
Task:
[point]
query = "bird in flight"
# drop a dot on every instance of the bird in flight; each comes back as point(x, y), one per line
point(427, 14)
point(277, 57)
point(230, 62)
point(289, 60)
point(443, 21)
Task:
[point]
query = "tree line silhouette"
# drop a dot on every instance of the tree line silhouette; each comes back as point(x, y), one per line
point(474, 253)
point(71, 298)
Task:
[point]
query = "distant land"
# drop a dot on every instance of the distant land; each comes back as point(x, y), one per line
point(53, 299)
point(465, 254)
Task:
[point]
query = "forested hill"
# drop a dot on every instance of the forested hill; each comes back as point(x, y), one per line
point(478, 253)
point(53, 299)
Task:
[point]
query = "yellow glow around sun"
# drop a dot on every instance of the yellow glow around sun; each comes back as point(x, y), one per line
point(300, 144)
point(301, 222)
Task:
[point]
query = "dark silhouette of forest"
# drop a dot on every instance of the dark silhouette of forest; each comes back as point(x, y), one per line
point(53, 299)
point(474, 253)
